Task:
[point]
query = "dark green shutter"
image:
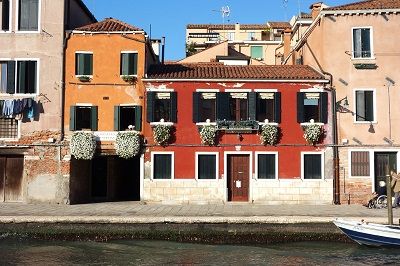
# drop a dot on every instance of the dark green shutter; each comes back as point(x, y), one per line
point(162, 166)
point(223, 106)
point(196, 105)
point(369, 105)
point(30, 77)
point(5, 15)
point(150, 106)
point(266, 166)
point(21, 76)
point(116, 118)
point(72, 112)
point(300, 107)
point(138, 118)
point(11, 77)
point(174, 107)
point(252, 105)
point(135, 63)
point(94, 118)
point(88, 64)
point(312, 166)
point(323, 115)
point(277, 106)
point(206, 166)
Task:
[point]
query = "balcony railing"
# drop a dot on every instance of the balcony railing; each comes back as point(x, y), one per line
point(230, 126)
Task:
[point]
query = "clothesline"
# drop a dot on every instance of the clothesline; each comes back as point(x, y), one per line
point(18, 108)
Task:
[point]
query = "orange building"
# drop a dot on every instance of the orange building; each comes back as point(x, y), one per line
point(105, 63)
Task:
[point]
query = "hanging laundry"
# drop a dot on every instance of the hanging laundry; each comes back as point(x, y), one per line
point(17, 107)
point(31, 109)
point(8, 108)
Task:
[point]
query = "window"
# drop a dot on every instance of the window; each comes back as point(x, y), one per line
point(268, 106)
point(5, 15)
point(360, 163)
point(206, 166)
point(364, 105)
point(126, 116)
point(84, 64)
point(26, 81)
point(28, 15)
point(312, 166)
point(204, 106)
point(231, 36)
point(362, 40)
point(128, 63)
point(256, 52)
point(8, 128)
point(312, 105)
point(162, 105)
point(266, 166)
point(162, 165)
point(83, 118)
point(238, 106)
point(251, 36)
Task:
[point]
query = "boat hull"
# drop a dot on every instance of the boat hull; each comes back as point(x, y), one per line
point(370, 234)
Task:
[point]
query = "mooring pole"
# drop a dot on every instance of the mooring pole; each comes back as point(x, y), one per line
point(389, 198)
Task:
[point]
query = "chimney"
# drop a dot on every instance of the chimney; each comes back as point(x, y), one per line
point(315, 9)
point(237, 30)
point(287, 37)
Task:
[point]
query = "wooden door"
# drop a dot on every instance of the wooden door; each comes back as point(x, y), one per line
point(14, 169)
point(238, 177)
point(384, 162)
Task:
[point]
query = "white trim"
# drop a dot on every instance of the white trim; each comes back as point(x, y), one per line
point(355, 106)
point(226, 153)
point(237, 90)
point(207, 90)
point(10, 15)
point(276, 164)
point(371, 40)
point(159, 90)
point(161, 123)
point(197, 165)
point(240, 80)
point(312, 90)
point(206, 124)
point(16, 60)
point(370, 162)
point(127, 104)
point(269, 123)
point(265, 90)
point(309, 123)
point(130, 52)
point(83, 52)
point(84, 104)
point(17, 18)
point(172, 165)
point(322, 165)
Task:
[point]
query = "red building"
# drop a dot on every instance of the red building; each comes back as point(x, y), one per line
point(240, 104)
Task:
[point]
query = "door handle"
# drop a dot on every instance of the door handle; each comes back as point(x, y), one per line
point(240, 172)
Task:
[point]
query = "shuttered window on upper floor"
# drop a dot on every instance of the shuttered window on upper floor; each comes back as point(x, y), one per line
point(28, 15)
point(161, 105)
point(129, 61)
point(5, 15)
point(127, 118)
point(360, 165)
point(312, 105)
point(25, 82)
point(84, 64)
point(83, 118)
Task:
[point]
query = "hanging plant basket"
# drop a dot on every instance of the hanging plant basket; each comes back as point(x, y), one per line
point(127, 144)
point(312, 133)
point(208, 135)
point(162, 134)
point(128, 78)
point(269, 134)
point(83, 145)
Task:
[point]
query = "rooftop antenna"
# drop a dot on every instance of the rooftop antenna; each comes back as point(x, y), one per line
point(285, 5)
point(225, 12)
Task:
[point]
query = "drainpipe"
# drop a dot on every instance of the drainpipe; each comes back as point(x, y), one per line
point(336, 177)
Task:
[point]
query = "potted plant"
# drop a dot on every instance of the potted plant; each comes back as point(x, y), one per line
point(269, 134)
point(312, 132)
point(83, 145)
point(84, 78)
point(127, 144)
point(162, 133)
point(129, 78)
point(208, 134)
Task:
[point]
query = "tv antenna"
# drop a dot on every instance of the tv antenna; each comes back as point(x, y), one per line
point(285, 6)
point(225, 12)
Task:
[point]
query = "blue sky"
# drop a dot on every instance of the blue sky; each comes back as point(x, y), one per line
point(169, 17)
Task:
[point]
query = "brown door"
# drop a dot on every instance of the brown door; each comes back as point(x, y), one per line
point(384, 163)
point(238, 177)
point(11, 173)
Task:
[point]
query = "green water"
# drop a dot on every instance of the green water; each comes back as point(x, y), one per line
point(123, 252)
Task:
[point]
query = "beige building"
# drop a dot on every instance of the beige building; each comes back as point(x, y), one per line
point(32, 40)
point(261, 42)
point(356, 45)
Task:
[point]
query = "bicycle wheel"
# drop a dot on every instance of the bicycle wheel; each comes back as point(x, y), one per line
point(381, 202)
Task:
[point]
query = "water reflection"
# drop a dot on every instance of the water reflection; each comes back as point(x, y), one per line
point(28, 252)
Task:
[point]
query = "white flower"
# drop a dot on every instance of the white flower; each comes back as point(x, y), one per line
point(162, 134)
point(312, 132)
point(83, 145)
point(127, 144)
point(269, 134)
point(208, 134)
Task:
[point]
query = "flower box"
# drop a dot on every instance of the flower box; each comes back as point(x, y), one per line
point(244, 126)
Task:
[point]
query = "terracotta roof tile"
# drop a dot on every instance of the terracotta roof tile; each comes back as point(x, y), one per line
point(226, 26)
point(108, 25)
point(218, 71)
point(368, 4)
point(279, 24)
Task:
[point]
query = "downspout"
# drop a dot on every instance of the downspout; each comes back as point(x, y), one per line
point(336, 177)
point(276, 49)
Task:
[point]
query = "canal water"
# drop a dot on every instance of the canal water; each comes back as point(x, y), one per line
point(138, 252)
